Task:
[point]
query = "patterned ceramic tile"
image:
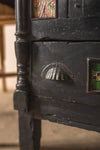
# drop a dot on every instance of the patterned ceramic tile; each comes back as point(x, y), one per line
point(44, 8)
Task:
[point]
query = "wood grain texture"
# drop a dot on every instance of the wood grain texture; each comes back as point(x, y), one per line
point(91, 8)
point(29, 129)
point(26, 128)
point(75, 8)
point(29, 132)
point(73, 29)
point(83, 8)
point(72, 55)
point(69, 39)
point(72, 114)
point(62, 8)
point(22, 50)
point(65, 102)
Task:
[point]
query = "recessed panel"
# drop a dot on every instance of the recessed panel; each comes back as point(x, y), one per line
point(81, 8)
point(93, 75)
point(44, 8)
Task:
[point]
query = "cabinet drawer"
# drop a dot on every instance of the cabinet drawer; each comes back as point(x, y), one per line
point(59, 70)
point(60, 83)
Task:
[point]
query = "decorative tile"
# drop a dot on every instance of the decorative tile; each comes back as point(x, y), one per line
point(44, 8)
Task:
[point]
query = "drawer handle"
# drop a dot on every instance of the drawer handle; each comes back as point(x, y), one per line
point(57, 72)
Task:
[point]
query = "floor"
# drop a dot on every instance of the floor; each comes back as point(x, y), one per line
point(54, 137)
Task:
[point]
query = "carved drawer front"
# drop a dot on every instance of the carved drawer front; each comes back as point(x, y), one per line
point(62, 71)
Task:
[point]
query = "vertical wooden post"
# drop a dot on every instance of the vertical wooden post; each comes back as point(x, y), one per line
point(29, 140)
point(2, 58)
point(22, 48)
point(26, 130)
point(21, 96)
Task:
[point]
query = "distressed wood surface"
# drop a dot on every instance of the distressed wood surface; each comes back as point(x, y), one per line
point(67, 29)
point(63, 101)
point(74, 56)
point(29, 128)
point(76, 8)
point(72, 114)
point(83, 8)
point(76, 20)
point(62, 9)
point(22, 50)
point(29, 132)
point(91, 8)
point(26, 128)
point(62, 98)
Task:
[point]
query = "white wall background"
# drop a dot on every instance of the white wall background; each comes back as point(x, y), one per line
point(10, 60)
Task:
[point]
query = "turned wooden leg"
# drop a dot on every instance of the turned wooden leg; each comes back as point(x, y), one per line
point(29, 132)
point(37, 134)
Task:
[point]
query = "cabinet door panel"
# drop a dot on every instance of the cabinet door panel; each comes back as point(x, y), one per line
point(81, 8)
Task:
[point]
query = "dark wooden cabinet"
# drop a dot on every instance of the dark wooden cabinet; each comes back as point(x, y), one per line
point(58, 62)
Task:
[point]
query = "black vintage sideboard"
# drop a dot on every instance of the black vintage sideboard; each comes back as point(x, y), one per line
point(58, 61)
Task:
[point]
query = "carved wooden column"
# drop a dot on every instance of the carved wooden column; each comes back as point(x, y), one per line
point(29, 128)
point(21, 95)
point(22, 48)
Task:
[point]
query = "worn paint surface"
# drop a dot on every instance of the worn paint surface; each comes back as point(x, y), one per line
point(70, 38)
